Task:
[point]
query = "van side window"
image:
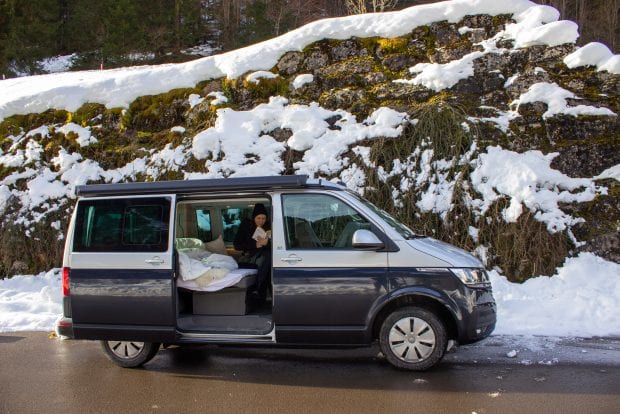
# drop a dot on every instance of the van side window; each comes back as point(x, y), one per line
point(231, 220)
point(203, 222)
point(318, 221)
point(122, 225)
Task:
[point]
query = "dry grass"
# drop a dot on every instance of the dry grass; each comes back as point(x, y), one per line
point(29, 251)
point(522, 249)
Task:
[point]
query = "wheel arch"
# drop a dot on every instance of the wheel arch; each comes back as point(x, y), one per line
point(419, 299)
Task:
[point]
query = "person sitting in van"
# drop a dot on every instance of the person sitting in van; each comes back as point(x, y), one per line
point(253, 239)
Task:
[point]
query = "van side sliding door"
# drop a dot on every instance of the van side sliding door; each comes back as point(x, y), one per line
point(122, 269)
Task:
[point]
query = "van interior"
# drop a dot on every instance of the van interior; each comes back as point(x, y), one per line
point(216, 298)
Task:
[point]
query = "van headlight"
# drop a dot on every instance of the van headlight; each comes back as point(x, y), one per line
point(471, 277)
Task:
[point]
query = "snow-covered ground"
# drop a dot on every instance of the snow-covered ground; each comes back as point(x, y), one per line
point(581, 300)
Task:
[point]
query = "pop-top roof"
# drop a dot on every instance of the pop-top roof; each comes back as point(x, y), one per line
point(203, 186)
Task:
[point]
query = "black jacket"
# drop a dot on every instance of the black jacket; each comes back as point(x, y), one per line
point(244, 241)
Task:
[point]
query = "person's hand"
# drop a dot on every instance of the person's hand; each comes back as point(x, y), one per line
point(261, 242)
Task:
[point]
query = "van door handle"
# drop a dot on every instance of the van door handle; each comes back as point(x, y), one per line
point(154, 260)
point(292, 258)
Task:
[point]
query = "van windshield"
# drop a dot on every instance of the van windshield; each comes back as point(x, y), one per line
point(403, 230)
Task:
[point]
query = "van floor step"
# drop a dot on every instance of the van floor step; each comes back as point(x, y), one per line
point(240, 325)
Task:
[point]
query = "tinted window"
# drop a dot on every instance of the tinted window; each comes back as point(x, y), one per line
point(122, 225)
point(231, 220)
point(317, 221)
point(203, 221)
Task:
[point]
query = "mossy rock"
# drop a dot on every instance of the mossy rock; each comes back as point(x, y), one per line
point(265, 88)
point(354, 101)
point(388, 91)
point(601, 230)
point(340, 50)
point(584, 128)
point(17, 124)
point(395, 45)
point(157, 112)
point(289, 63)
point(588, 159)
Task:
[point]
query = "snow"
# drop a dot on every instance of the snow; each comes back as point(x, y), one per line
point(244, 137)
point(613, 172)
point(555, 97)
point(255, 77)
point(582, 299)
point(303, 79)
point(30, 303)
point(119, 87)
point(501, 121)
point(538, 26)
point(594, 54)
point(58, 63)
point(84, 136)
point(220, 98)
point(527, 179)
point(194, 100)
point(437, 76)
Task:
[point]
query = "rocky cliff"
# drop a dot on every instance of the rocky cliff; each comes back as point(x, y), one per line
point(491, 132)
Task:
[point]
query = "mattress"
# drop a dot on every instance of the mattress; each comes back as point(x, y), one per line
point(239, 278)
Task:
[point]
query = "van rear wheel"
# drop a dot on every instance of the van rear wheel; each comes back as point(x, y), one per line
point(130, 354)
point(413, 338)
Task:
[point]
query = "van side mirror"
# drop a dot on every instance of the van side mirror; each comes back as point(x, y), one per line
point(366, 240)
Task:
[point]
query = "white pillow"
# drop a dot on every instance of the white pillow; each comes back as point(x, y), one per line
point(221, 261)
point(189, 243)
point(195, 253)
point(216, 246)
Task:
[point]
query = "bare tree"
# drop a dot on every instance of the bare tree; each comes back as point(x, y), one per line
point(369, 6)
point(597, 19)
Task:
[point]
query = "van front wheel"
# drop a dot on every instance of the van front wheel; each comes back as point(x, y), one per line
point(130, 354)
point(413, 338)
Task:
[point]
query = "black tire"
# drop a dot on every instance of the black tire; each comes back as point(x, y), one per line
point(130, 354)
point(413, 338)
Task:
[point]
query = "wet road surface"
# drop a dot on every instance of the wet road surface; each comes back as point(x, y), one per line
point(39, 374)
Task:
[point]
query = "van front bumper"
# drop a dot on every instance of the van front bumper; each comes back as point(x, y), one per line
point(479, 320)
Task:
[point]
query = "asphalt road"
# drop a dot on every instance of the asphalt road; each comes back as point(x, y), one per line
point(43, 375)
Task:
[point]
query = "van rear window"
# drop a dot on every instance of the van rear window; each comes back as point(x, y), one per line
point(122, 225)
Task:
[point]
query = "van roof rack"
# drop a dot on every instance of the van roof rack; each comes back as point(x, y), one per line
point(203, 185)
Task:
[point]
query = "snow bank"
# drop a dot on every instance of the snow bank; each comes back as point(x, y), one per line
point(30, 303)
point(594, 54)
point(581, 299)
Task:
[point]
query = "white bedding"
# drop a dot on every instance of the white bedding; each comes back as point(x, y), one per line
point(204, 271)
point(230, 279)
